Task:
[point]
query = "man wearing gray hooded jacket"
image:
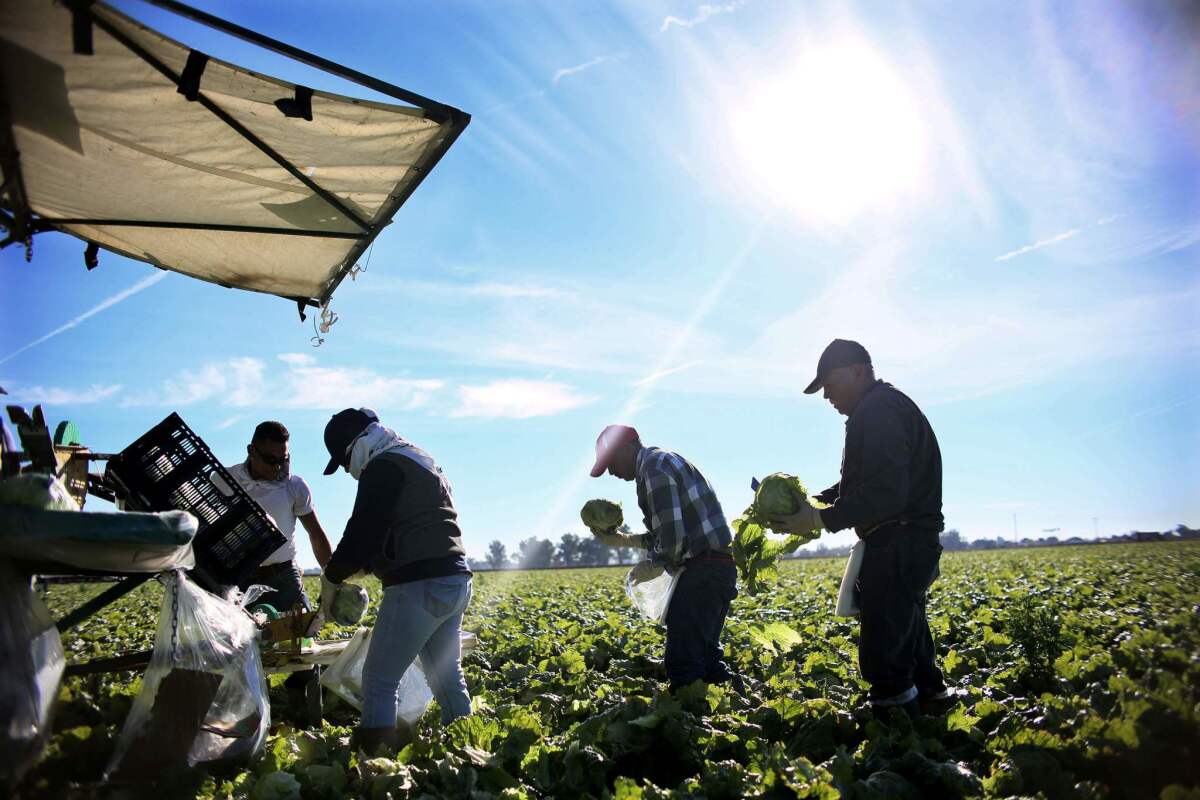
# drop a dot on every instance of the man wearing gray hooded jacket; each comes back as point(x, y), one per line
point(404, 530)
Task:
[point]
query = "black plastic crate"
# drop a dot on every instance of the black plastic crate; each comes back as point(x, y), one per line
point(170, 467)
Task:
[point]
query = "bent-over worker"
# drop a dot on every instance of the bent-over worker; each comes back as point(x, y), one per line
point(685, 529)
point(404, 529)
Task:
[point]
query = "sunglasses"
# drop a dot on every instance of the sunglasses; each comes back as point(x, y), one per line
point(270, 460)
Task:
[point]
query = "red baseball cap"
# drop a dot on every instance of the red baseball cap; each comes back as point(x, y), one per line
point(610, 440)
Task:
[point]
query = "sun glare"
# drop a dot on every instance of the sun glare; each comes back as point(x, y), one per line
point(837, 135)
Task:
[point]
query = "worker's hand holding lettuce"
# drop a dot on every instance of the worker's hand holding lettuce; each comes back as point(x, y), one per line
point(780, 505)
point(603, 517)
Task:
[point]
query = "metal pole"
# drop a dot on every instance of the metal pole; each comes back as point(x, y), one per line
point(438, 112)
point(198, 226)
point(109, 595)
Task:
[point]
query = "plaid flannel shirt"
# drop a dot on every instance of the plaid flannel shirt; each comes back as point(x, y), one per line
point(682, 514)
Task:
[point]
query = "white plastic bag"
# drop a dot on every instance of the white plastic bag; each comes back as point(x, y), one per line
point(847, 602)
point(204, 695)
point(344, 677)
point(652, 597)
point(31, 667)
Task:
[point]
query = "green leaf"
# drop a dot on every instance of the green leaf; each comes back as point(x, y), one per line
point(774, 636)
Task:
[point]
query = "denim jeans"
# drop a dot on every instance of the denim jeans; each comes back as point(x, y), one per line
point(417, 619)
point(895, 646)
point(695, 619)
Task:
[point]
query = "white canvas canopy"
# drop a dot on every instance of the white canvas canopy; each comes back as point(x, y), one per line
point(125, 138)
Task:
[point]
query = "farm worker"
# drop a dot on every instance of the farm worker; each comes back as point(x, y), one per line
point(686, 529)
point(404, 529)
point(266, 476)
point(890, 493)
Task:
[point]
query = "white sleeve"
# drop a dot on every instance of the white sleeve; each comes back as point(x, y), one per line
point(301, 497)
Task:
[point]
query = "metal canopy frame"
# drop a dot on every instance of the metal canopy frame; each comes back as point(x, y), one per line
point(22, 223)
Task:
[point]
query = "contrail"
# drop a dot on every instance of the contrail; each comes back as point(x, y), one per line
point(643, 388)
point(145, 283)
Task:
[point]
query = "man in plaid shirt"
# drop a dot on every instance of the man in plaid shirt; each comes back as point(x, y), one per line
point(685, 530)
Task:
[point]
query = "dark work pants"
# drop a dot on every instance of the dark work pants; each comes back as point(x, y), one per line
point(284, 578)
point(895, 646)
point(695, 619)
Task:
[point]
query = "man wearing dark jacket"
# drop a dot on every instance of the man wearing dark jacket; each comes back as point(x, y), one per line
point(404, 529)
point(890, 493)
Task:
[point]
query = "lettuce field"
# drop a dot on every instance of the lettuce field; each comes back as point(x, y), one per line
point(1081, 671)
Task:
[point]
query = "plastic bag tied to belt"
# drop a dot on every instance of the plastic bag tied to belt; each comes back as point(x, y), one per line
point(204, 695)
point(652, 597)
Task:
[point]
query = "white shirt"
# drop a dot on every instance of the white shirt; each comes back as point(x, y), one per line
point(283, 500)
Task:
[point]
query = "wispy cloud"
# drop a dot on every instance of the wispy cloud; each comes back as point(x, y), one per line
point(53, 395)
point(504, 104)
point(518, 399)
point(235, 382)
point(701, 15)
point(662, 373)
point(1039, 244)
point(497, 290)
point(302, 383)
point(1062, 237)
point(578, 68)
point(510, 290)
point(974, 349)
point(318, 387)
point(227, 423)
point(109, 302)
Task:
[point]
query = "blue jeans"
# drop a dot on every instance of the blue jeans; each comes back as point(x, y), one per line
point(418, 619)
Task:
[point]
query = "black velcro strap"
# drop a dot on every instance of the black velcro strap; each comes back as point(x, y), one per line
point(81, 28)
point(298, 107)
point(91, 256)
point(300, 307)
point(189, 81)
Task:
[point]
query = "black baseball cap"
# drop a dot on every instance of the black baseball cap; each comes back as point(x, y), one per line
point(839, 353)
point(342, 429)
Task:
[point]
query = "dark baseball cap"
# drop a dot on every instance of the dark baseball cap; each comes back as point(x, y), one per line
point(342, 429)
point(839, 353)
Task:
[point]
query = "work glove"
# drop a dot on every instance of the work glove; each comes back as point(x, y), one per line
point(613, 539)
point(325, 609)
point(807, 520)
point(646, 571)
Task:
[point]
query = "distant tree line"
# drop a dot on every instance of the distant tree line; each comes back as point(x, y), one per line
point(953, 540)
point(573, 550)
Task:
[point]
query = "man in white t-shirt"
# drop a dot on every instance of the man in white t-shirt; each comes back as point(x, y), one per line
point(286, 498)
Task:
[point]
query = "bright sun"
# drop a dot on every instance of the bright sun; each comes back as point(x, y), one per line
point(837, 135)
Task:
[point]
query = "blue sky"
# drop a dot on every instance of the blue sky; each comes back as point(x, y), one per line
point(661, 213)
